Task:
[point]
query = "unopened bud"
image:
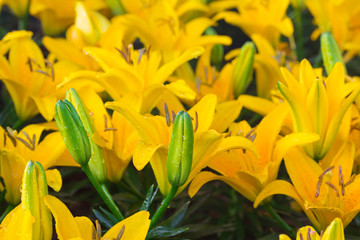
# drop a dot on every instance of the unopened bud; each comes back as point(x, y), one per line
point(34, 188)
point(180, 154)
point(243, 70)
point(330, 52)
point(217, 52)
point(97, 162)
point(72, 132)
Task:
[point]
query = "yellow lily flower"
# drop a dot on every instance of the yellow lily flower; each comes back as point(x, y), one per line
point(340, 18)
point(155, 134)
point(31, 218)
point(30, 79)
point(161, 26)
point(18, 7)
point(114, 134)
point(266, 18)
point(319, 105)
point(137, 77)
point(249, 172)
point(17, 148)
point(334, 231)
point(69, 227)
point(323, 193)
point(57, 16)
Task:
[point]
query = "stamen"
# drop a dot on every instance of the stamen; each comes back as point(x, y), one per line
point(308, 236)
point(249, 133)
point(121, 233)
point(148, 51)
point(10, 134)
point(206, 74)
point(122, 54)
point(351, 180)
point(323, 81)
point(196, 121)
point(98, 230)
point(252, 138)
point(321, 179)
point(106, 127)
point(40, 71)
point(341, 181)
point(301, 236)
point(197, 84)
point(333, 187)
point(321, 234)
point(228, 134)
point(30, 65)
point(141, 53)
point(326, 171)
point(167, 115)
point(48, 63)
point(173, 115)
point(213, 75)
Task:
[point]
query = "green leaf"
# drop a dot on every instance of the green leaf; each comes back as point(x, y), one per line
point(163, 231)
point(175, 219)
point(109, 216)
point(149, 198)
point(104, 221)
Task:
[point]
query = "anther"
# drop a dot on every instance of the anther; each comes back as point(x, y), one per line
point(148, 51)
point(196, 121)
point(10, 134)
point(48, 63)
point(30, 65)
point(301, 236)
point(173, 116)
point(350, 181)
point(323, 81)
point(141, 53)
point(228, 134)
point(42, 72)
point(333, 187)
point(106, 127)
point(252, 138)
point(167, 115)
point(198, 84)
point(321, 179)
point(98, 230)
point(121, 233)
point(341, 181)
point(206, 73)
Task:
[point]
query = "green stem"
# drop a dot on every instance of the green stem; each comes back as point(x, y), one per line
point(299, 35)
point(24, 19)
point(278, 219)
point(17, 124)
point(104, 193)
point(163, 206)
point(7, 210)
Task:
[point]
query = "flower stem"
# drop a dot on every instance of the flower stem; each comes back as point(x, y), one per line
point(7, 210)
point(163, 206)
point(17, 124)
point(23, 20)
point(278, 219)
point(104, 193)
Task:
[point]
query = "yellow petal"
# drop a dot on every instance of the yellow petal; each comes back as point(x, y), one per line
point(306, 180)
point(167, 69)
point(245, 184)
point(66, 226)
point(144, 128)
point(292, 140)
point(86, 228)
point(256, 104)
point(334, 231)
point(17, 224)
point(205, 110)
point(136, 227)
point(54, 180)
point(225, 114)
point(143, 153)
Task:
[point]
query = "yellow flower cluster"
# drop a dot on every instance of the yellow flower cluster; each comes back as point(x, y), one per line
point(133, 65)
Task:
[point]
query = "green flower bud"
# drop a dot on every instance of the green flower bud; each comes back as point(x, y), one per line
point(97, 162)
point(34, 188)
point(116, 7)
point(217, 52)
point(330, 52)
point(180, 154)
point(73, 132)
point(243, 70)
